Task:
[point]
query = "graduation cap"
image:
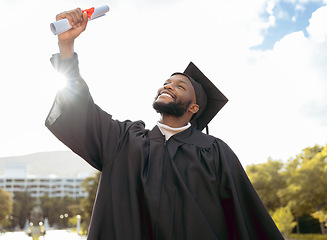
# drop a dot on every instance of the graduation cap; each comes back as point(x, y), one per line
point(208, 97)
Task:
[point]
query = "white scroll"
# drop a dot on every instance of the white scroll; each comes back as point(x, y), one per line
point(63, 25)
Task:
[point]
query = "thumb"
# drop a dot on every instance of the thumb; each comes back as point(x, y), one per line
point(85, 20)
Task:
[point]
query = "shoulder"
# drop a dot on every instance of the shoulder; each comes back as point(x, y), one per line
point(195, 137)
point(207, 141)
point(132, 126)
point(134, 129)
point(136, 126)
point(199, 139)
point(223, 145)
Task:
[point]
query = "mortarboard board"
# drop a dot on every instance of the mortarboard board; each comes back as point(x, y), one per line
point(208, 97)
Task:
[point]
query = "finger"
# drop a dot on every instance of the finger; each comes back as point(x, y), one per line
point(74, 16)
point(65, 15)
point(85, 19)
point(79, 14)
point(60, 16)
point(70, 17)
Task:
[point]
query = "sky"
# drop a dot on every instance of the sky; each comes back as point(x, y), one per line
point(267, 56)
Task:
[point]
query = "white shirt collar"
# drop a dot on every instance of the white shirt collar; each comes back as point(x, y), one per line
point(170, 131)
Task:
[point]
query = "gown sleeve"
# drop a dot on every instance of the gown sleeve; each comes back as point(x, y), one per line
point(246, 215)
point(79, 123)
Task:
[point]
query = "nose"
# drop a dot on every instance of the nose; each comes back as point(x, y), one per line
point(168, 86)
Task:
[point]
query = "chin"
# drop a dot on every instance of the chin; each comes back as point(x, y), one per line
point(157, 105)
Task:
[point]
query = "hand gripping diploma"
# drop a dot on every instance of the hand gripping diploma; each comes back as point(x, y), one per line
point(78, 20)
point(63, 25)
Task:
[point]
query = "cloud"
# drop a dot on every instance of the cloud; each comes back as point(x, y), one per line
point(295, 68)
point(317, 106)
point(317, 29)
point(291, 80)
point(299, 7)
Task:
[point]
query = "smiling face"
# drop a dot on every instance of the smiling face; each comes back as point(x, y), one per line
point(176, 97)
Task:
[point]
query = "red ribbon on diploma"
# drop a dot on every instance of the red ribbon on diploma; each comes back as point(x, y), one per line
point(89, 12)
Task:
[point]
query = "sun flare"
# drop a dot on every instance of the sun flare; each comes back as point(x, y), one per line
point(59, 81)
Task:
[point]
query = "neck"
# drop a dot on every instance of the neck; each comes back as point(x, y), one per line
point(174, 122)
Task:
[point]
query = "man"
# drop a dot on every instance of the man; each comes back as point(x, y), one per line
point(171, 182)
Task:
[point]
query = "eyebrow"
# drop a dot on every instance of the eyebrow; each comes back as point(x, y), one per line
point(180, 81)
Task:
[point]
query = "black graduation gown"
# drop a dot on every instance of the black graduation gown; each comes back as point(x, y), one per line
point(190, 187)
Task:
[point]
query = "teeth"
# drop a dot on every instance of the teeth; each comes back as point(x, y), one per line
point(165, 94)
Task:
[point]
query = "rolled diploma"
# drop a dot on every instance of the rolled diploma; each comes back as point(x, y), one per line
point(63, 25)
point(99, 11)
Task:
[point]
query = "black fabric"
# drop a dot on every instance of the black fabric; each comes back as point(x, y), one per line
point(190, 187)
point(215, 98)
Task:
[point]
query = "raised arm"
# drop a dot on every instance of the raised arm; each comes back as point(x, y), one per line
point(74, 117)
point(78, 20)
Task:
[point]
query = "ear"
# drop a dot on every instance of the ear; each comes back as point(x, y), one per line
point(193, 108)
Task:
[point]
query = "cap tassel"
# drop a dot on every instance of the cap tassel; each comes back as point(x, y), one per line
point(207, 129)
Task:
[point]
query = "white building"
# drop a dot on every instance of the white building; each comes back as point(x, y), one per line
point(16, 179)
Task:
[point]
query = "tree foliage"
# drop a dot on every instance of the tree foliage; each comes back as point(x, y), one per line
point(59, 210)
point(89, 185)
point(300, 184)
point(306, 182)
point(322, 217)
point(267, 179)
point(6, 206)
point(23, 204)
point(284, 220)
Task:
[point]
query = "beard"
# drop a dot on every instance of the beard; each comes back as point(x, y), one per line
point(176, 108)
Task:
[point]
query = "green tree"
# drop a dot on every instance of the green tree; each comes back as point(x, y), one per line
point(306, 182)
point(59, 210)
point(267, 179)
point(89, 185)
point(6, 206)
point(48, 209)
point(23, 204)
point(284, 220)
point(322, 217)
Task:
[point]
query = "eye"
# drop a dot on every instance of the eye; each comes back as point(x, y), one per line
point(180, 86)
